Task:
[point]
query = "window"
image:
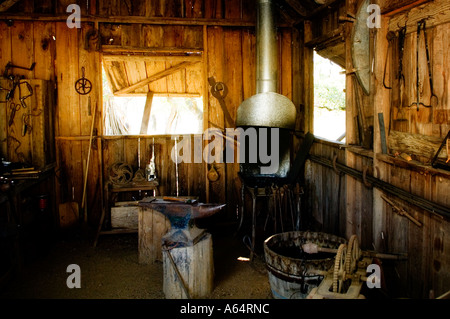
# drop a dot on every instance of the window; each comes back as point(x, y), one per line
point(160, 114)
point(329, 99)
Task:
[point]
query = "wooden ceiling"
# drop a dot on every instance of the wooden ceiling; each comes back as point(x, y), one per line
point(296, 11)
point(153, 71)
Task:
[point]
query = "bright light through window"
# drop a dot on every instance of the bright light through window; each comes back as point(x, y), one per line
point(329, 99)
point(168, 116)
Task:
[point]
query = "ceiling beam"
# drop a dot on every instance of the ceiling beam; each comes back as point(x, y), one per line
point(155, 77)
point(159, 94)
point(326, 5)
point(133, 20)
point(297, 7)
point(122, 49)
point(149, 58)
point(5, 5)
point(285, 14)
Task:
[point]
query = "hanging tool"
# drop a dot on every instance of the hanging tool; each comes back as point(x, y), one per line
point(435, 163)
point(26, 121)
point(401, 211)
point(400, 76)
point(30, 93)
point(26, 126)
point(14, 108)
point(83, 86)
point(9, 66)
point(433, 98)
point(390, 36)
point(421, 25)
point(401, 117)
point(219, 90)
point(15, 79)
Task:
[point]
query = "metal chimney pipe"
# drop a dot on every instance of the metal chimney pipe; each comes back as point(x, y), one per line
point(267, 108)
point(266, 48)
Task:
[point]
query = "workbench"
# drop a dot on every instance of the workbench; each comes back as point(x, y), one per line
point(26, 224)
point(112, 192)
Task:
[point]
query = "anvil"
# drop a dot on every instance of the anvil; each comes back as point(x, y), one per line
point(180, 215)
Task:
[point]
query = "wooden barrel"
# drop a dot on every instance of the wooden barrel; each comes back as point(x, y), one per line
point(194, 264)
point(293, 273)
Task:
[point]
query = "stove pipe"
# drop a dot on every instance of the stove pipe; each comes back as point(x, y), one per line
point(266, 49)
point(267, 108)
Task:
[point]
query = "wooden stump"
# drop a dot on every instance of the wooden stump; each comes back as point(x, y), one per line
point(152, 227)
point(195, 264)
point(125, 217)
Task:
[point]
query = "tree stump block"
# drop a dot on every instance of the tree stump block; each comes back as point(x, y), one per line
point(152, 227)
point(195, 265)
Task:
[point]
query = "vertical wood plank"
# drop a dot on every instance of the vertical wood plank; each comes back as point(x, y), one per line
point(44, 50)
point(214, 9)
point(234, 80)
point(194, 8)
point(216, 62)
point(22, 53)
point(67, 71)
point(233, 9)
point(248, 63)
point(286, 63)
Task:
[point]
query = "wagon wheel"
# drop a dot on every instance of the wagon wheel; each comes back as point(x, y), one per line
point(353, 254)
point(120, 174)
point(339, 269)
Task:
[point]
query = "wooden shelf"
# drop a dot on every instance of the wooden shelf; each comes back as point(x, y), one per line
point(361, 151)
point(412, 165)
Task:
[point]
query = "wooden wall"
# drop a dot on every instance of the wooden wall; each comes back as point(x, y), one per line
point(223, 32)
point(211, 9)
point(428, 265)
point(339, 204)
point(378, 225)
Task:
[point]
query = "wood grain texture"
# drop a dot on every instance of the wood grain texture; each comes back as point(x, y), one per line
point(152, 226)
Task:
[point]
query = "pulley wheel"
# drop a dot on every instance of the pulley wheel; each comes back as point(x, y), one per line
point(83, 86)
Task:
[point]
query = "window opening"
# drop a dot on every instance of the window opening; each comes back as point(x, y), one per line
point(329, 99)
point(169, 115)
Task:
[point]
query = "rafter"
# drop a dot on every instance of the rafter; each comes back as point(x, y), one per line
point(5, 5)
point(155, 77)
point(297, 7)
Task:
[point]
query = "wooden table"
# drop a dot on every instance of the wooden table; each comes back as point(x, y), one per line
point(111, 195)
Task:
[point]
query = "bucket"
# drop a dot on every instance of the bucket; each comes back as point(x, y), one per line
point(293, 273)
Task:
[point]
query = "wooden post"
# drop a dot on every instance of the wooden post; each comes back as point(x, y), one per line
point(152, 226)
point(195, 264)
point(351, 136)
point(308, 93)
point(381, 104)
point(147, 112)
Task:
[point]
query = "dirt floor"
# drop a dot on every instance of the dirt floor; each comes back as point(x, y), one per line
point(111, 271)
